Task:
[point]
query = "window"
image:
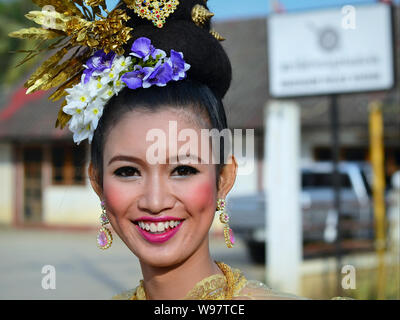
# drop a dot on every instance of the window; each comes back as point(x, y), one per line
point(323, 180)
point(68, 164)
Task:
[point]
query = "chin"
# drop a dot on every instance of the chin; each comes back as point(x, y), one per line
point(161, 262)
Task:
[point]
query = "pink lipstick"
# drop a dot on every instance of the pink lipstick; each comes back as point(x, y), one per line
point(158, 237)
point(158, 219)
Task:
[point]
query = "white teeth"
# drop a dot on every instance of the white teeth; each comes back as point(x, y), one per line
point(158, 227)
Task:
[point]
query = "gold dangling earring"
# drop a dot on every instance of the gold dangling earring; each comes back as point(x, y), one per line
point(224, 218)
point(104, 237)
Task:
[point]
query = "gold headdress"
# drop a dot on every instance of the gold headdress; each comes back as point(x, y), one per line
point(77, 33)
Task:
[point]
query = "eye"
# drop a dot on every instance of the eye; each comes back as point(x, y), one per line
point(126, 172)
point(185, 170)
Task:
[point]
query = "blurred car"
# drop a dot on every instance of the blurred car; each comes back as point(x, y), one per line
point(319, 218)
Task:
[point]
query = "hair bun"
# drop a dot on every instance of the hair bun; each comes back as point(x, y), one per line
point(209, 62)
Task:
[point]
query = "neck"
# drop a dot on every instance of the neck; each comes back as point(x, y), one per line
point(173, 283)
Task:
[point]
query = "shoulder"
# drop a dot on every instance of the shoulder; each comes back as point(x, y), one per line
point(256, 290)
point(125, 295)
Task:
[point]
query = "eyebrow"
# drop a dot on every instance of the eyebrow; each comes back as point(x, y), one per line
point(135, 159)
point(124, 158)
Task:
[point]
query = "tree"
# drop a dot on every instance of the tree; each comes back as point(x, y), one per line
point(12, 17)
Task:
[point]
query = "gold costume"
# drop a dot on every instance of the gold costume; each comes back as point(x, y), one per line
point(233, 285)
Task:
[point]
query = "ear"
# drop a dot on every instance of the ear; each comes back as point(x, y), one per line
point(227, 177)
point(93, 176)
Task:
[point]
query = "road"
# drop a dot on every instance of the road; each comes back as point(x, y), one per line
point(82, 270)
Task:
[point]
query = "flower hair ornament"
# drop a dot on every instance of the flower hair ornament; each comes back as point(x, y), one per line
point(107, 74)
point(92, 39)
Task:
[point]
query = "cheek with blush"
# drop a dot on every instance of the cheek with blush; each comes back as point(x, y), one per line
point(200, 196)
point(115, 198)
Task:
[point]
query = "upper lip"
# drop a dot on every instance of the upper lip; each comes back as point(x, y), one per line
point(157, 219)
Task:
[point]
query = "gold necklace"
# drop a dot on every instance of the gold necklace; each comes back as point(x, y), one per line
point(140, 293)
point(230, 279)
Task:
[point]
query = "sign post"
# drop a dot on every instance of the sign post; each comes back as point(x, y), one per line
point(283, 213)
point(377, 158)
point(324, 52)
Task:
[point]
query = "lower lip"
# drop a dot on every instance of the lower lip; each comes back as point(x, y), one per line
point(160, 237)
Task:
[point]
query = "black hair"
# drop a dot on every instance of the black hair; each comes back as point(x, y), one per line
point(201, 92)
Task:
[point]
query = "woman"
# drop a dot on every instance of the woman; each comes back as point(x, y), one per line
point(138, 196)
point(175, 260)
point(160, 197)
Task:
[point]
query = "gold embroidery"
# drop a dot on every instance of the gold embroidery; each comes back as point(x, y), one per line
point(215, 287)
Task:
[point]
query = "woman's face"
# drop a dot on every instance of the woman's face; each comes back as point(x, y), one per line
point(145, 200)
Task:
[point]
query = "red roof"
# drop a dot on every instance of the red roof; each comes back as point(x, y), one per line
point(18, 101)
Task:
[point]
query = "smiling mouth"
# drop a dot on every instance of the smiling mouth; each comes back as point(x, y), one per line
point(158, 227)
point(158, 232)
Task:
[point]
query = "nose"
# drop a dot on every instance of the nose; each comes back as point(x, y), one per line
point(156, 196)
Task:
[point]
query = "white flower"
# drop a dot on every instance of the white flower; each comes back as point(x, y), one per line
point(121, 63)
point(79, 93)
point(76, 109)
point(107, 94)
point(109, 76)
point(96, 87)
point(82, 132)
point(93, 113)
point(118, 85)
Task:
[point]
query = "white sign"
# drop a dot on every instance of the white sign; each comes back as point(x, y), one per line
point(346, 49)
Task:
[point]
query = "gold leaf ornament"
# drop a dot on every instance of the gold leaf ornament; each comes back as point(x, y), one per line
point(60, 92)
point(96, 3)
point(107, 34)
point(35, 33)
point(48, 64)
point(111, 32)
point(62, 118)
point(58, 75)
point(89, 30)
point(61, 6)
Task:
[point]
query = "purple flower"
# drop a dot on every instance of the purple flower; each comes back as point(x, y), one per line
point(143, 49)
point(99, 62)
point(135, 78)
point(179, 67)
point(161, 75)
